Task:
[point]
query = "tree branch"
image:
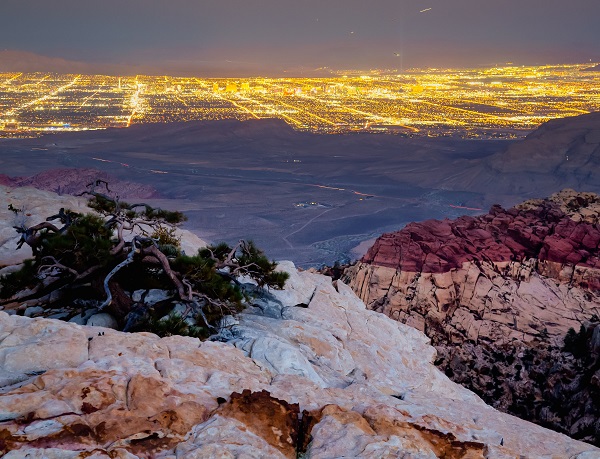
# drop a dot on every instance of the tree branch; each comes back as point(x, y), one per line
point(164, 261)
point(56, 264)
point(114, 271)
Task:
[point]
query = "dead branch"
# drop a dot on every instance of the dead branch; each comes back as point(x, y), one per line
point(152, 250)
point(57, 265)
point(232, 253)
point(200, 312)
point(88, 272)
point(65, 217)
point(22, 295)
point(114, 271)
point(32, 236)
point(120, 240)
point(190, 288)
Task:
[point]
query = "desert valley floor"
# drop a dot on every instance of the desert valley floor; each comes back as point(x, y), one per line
point(306, 197)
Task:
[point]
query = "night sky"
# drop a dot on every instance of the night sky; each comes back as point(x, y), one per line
point(261, 37)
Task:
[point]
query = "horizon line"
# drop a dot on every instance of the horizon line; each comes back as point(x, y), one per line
point(339, 73)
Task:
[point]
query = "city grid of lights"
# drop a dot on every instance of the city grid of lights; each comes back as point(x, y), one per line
point(501, 102)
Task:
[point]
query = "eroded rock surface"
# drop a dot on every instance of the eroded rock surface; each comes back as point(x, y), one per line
point(364, 385)
point(510, 274)
point(538, 229)
point(497, 294)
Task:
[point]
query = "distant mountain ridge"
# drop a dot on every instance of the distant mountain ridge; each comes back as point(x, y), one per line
point(561, 153)
point(595, 68)
point(569, 148)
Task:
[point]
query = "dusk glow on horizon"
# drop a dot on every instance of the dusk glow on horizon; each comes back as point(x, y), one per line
point(236, 38)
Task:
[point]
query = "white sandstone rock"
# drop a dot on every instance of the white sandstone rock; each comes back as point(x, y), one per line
point(102, 319)
point(37, 205)
point(82, 318)
point(152, 297)
point(367, 380)
point(32, 311)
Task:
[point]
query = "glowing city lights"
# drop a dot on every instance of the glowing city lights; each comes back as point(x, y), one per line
point(500, 102)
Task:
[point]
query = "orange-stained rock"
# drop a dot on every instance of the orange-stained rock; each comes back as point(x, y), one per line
point(97, 408)
point(276, 421)
point(373, 434)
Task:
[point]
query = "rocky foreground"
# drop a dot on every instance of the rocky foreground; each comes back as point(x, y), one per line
point(497, 295)
point(304, 372)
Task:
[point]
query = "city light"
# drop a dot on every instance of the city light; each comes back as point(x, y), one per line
point(502, 102)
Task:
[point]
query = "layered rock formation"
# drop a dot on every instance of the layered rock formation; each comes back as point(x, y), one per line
point(497, 294)
point(305, 372)
point(516, 273)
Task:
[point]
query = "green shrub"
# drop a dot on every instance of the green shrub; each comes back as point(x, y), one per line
point(576, 343)
point(89, 256)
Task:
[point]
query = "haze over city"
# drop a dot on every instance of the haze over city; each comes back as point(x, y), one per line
point(237, 38)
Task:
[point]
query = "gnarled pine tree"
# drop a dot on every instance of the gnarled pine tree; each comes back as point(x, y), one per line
point(97, 260)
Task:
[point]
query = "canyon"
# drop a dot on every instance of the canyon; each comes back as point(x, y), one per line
point(497, 294)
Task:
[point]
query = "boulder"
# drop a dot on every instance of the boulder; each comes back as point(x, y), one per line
point(102, 319)
point(37, 205)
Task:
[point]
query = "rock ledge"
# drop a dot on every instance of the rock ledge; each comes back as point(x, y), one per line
point(364, 384)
